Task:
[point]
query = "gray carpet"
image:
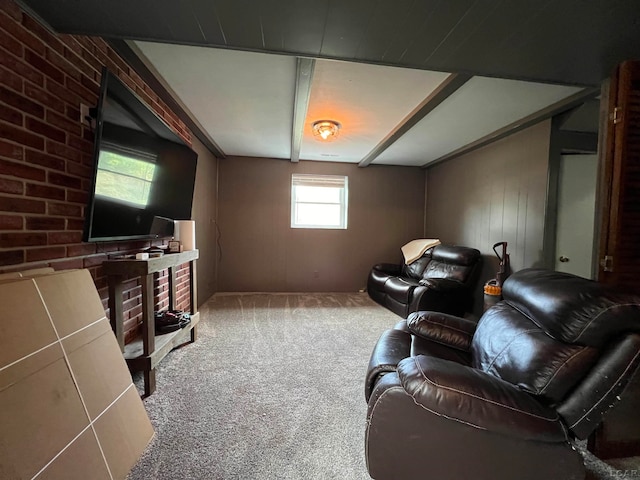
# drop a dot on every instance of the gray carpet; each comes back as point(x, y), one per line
point(273, 389)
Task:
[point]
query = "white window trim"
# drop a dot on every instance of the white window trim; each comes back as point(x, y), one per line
point(310, 180)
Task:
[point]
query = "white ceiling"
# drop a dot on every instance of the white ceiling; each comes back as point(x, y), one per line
point(245, 102)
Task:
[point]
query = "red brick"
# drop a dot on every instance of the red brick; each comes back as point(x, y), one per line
point(21, 170)
point(10, 80)
point(118, 61)
point(12, 9)
point(21, 136)
point(11, 44)
point(11, 186)
point(45, 223)
point(46, 253)
point(11, 222)
point(28, 239)
point(94, 260)
point(62, 92)
point(39, 158)
point(42, 65)
point(64, 151)
point(59, 61)
point(71, 42)
point(64, 209)
point(84, 146)
point(47, 130)
point(64, 123)
point(77, 197)
point(100, 44)
point(21, 102)
point(21, 34)
point(74, 224)
point(57, 238)
point(67, 264)
point(47, 37)
point(81, 249)
point(75, 58)
point(11, 151)
point(19, 67)
point(91, 59)
point(88, 135)
point(18, 204)
point(131, 304)
point(101, 282)
point(39, 95)
point(11, 257)
point(45, 191)
point(11, 115)
point(79, 170)
point(90, 83)
point(90, 96)
point(131, 288)
point(87, 43)
point(63, 180)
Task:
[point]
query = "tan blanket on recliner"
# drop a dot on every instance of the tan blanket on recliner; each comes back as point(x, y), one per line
point(415, 248)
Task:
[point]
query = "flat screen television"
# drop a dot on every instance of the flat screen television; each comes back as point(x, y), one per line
point(144, 174)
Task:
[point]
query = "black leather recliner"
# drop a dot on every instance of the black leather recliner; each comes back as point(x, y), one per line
point(441, 280)
point(503, 399)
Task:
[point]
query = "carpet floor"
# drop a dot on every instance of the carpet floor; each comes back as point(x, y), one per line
point(274, 389)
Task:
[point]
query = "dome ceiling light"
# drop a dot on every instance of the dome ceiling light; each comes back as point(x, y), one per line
point(326, 130)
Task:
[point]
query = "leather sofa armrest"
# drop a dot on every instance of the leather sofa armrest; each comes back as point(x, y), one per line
point(442, 284)
point(449, 330)
point(389, 268)
point(473, 397)
point(392, 346)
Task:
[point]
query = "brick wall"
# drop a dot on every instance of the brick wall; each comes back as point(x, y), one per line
point(46, 153)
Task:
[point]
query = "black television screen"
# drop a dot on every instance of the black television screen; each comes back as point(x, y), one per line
point(144, 174)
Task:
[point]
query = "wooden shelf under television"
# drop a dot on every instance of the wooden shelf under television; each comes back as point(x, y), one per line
point(134, 351)
point(145, 352)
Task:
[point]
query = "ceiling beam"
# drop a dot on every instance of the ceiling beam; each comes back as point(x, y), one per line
point(526, 122)
point(304, 77)
point(452, 83)
point(136, 59)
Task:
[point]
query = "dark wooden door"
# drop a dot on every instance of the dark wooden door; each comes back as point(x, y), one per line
point(619, 247)
point(620, 192)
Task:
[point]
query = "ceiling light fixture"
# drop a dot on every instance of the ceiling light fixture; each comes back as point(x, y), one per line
point(326, 130)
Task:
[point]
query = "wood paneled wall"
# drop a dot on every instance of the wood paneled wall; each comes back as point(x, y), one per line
point(497, 193)
point(204, 211)
point(261, 252)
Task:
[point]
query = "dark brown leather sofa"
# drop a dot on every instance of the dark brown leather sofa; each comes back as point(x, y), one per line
point(441, 280)
point(505, 398)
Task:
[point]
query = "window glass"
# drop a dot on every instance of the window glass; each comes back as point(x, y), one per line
point(319, 201)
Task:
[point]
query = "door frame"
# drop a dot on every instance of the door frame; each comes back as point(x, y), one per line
point(563, 142)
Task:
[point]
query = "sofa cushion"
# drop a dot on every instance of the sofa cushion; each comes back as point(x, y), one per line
point(416, 269)
point(571, 309)
point(454, 254)
point(377, 279)
point(452, 263)
point(471, 397)
point(512, 347)
point(400, 289)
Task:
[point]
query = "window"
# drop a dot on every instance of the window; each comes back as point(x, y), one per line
point(319, 201)
point(121, 176)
